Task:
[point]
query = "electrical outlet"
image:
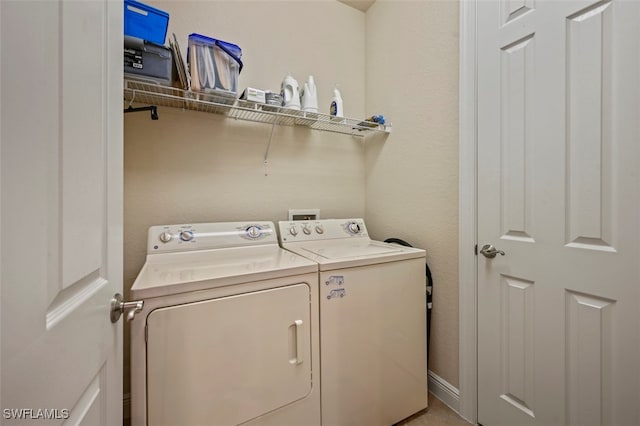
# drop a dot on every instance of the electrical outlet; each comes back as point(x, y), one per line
point(304, 214)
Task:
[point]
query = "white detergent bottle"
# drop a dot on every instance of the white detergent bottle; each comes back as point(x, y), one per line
point(336, 104)
point(309, 96)
point(290, 93)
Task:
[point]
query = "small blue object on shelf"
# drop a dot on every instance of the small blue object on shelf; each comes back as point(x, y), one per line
point(145, 22)
point(377, 119)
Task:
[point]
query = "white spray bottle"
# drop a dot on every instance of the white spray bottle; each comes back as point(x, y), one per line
point(309, 96)
point(336, 104)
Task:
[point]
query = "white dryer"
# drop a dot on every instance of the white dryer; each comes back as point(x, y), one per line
point(372, 322)
point(228, 332)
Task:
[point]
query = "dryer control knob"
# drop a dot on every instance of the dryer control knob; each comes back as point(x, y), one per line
point(186, 235)
point(293, 231)
point(353, 228)
point(254, 232)
point(306, 230)
point(165, 237)
point(319, 229)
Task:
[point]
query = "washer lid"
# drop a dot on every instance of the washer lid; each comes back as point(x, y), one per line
point(345, 253)
point(171, 273)
point(349, 249)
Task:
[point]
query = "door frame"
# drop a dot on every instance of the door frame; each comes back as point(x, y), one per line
point(468, 229)
point(1, 206)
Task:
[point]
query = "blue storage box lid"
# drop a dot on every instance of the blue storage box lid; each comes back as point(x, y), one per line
point(233, 50)
point(145, 22)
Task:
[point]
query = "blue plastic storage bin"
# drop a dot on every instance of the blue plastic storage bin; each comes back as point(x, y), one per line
point(145, 22)
point(214, 65)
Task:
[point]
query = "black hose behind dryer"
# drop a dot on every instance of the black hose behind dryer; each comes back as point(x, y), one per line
point(429, 289)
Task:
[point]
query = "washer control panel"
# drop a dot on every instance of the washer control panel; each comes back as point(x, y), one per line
point(325, 229)
point(203, 236)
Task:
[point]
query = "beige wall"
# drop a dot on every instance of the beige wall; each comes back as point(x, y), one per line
point(190, 167)
point(412, 178)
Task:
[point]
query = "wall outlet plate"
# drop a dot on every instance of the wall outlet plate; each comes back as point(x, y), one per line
point(304, 214)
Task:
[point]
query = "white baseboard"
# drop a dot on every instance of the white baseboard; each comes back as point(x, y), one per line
point(126, 406)
point(444, 391)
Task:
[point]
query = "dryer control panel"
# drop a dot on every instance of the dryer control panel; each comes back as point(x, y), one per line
point(204, 236)
point(325, 229)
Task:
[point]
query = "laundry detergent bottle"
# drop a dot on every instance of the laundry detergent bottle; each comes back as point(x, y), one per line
point(336, 104)
point(309, 96)
point(290, 93)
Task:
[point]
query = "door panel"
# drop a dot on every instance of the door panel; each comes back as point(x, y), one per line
point(82, 147)
point(589, 361)
point(61, 209)
point(90, 409)
point(516, 91)
point(558, 181)
point(226, 361)
point(517, 343)
point(589, 73)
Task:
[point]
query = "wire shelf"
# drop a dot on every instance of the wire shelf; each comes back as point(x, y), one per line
point(154, 94)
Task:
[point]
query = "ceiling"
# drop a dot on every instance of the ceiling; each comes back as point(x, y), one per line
point(362, 5)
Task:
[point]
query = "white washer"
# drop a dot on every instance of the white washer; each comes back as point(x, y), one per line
point(372, 322)
point(228, 333)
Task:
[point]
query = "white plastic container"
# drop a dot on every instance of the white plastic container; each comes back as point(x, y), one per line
point(290, 93)
point(309, 96)
point(336, 109)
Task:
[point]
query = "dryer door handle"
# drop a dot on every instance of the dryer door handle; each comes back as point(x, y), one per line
point(297, 360)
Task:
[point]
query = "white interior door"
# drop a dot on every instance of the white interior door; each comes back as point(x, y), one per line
point(61, 168)
point(558, 192)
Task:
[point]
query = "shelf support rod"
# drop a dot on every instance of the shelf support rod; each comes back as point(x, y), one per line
point(266, 154)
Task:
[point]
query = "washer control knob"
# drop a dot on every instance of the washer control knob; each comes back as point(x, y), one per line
point(293, 231)
point(165, 237)
point(254, 232)
point(319, 229)
point(186, 235)
point(353, 228)
point(306, 229)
